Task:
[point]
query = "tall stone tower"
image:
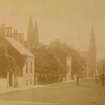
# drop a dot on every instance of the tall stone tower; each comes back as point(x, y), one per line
point(92, 55)
point(32, 35)
point(36, 35)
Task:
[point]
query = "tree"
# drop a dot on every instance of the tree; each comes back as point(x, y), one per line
point(7, 63)
point(78, 64)
point(101, 71)
point(46, 66)
point(60, 53)
point(51, 61)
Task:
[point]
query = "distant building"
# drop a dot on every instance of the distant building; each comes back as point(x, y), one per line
point(23, 73)
point(32, 42)
point(13, 33)
point(92, 55)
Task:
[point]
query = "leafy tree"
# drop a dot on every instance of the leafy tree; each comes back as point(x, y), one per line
point(7, 63)
point(101, 67)
point(78, 64)
point(46, 66)
point(51, 62)
point(60, 53)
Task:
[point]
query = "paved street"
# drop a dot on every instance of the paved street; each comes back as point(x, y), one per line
point(88, 93)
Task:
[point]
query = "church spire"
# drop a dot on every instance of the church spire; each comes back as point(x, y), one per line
point(33, 37)
point(36, 35)
point(92, 55)
point(30, 33)
point(92, 41)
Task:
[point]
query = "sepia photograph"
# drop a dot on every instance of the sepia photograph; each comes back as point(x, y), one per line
point(52, 52)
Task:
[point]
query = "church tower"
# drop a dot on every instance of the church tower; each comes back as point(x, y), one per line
point(32, 35)
point(36, 35)
point(92, 55)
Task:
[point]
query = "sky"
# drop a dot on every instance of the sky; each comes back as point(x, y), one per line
point(67, 20)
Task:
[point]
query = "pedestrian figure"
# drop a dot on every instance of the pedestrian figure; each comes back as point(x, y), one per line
point(96, 79)
point(77, 80)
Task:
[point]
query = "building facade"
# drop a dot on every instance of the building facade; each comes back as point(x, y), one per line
point(20, 71)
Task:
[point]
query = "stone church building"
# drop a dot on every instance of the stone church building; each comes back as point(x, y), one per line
point(92, 61)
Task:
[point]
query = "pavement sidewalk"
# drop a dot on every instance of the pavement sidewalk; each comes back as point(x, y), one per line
point(12, 89)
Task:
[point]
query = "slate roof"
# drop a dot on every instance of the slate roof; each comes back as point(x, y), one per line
point(18, 46)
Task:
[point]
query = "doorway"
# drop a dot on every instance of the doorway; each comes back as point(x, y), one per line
point(10, 79)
